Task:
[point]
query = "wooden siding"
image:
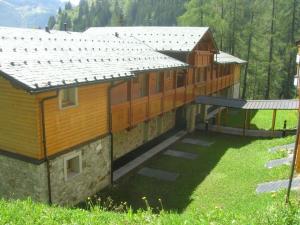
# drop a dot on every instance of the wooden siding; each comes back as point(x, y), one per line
point(19, 124)
point(66, 128)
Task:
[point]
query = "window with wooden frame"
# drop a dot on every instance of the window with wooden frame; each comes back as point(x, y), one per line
point(68, 97)
point(180, 79)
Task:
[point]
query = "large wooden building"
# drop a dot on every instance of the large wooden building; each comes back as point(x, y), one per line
point(73, 103)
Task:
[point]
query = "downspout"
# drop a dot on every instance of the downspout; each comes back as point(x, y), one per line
point(110, 129)
point(44, 140)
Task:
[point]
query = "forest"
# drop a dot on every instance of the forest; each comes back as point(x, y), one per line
point(263, 32)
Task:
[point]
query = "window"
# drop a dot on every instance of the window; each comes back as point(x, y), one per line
point(180, 79)
point(68, 97)
point(72, 165)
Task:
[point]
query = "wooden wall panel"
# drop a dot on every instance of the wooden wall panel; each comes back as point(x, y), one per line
point(180, 96)
point(72, 126)
point(19, 125)
point(155, 105)
point(120, 116)
point(139, 110)
point(119, 93)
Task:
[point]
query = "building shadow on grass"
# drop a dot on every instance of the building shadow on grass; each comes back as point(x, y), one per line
point(139, 191)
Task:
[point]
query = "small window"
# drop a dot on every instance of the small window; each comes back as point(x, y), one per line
point(72, 165)
point(68, 97)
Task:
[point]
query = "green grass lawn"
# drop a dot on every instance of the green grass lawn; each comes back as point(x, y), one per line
point(260, 119)
point(217, 188)
point(224, 176)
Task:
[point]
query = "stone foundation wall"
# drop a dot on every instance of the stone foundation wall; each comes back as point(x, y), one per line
point(20, 179)
point(128, 140)
point(95, 174)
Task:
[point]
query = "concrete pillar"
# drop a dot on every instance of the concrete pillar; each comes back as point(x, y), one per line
point(203, 113)
point(191, 112)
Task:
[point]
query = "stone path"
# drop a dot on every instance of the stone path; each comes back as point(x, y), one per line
point(180, 154)
point(200, 142)
point(278, 162)
point(289, 147)
point(147, 155)
point(277, 185)
point(158, 174)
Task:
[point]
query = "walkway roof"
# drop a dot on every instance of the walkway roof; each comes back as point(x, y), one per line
point(285, 104)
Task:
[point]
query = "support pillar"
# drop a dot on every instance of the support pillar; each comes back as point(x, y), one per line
point(274, 120)
point(191, 112)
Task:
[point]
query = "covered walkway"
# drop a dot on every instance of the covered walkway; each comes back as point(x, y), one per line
point(247, 106)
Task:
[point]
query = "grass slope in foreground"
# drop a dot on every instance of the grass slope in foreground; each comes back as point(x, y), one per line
point(217, 188)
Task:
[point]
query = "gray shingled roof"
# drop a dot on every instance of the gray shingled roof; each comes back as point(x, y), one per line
point(158, 38)
point(249, 104)
point(39, 60)
point(224, 58)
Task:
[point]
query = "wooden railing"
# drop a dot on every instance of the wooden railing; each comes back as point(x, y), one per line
point(128, 114)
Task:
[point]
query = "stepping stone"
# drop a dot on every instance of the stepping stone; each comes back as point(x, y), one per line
point(158, 174)
point(289, 147)
point(179, 154)
point(279, 162)
point(200, 142)
point(277, 185)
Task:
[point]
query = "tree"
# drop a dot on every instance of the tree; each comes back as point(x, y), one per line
point(267, 95)
point(51, 22)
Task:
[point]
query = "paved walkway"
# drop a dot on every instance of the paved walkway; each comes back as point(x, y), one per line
point(289, 147)
point(195, 141)
point(277, 185)
point(147, 155)
point(278, 162)
point(158, 174)
point(180, 154)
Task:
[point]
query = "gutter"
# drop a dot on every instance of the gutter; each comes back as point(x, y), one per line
point(44, 140)
point(110, 128)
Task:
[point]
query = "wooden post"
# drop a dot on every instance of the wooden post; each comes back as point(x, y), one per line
point(274, 120)
point(245, 122)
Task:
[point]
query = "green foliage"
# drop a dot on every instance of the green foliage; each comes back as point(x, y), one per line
point(232, 27)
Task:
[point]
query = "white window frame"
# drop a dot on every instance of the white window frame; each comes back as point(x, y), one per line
point(66, 159)
point(61, 95)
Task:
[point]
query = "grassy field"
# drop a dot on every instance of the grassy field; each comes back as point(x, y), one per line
point(261, 119)
point(217, 188)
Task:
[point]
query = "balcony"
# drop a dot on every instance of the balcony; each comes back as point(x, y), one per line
point(130, 113)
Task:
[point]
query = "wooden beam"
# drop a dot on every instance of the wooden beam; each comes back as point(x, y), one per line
point(274, 120)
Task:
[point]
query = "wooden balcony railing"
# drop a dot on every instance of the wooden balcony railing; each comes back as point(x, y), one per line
point(128, 114)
